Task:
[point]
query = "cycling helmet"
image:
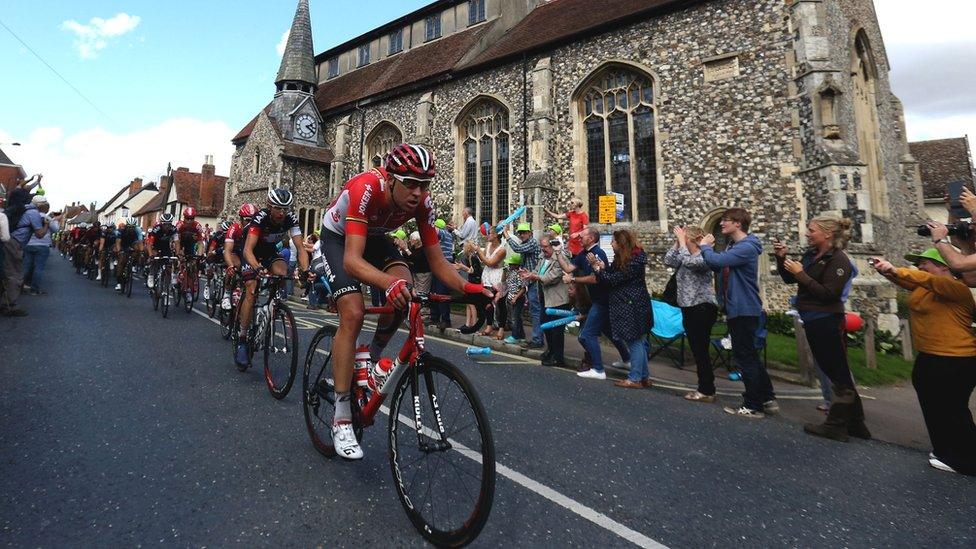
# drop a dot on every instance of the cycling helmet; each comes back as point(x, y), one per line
point(189, 212)
point(98, 223)
point(166, 218)
point(224, 225)
point(130, 221)
point(247, 210)
point(410, 161)
point(280, 197)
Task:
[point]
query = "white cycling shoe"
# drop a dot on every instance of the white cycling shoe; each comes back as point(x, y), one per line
point(344, 440)
point(150, 282)
point(225, 303)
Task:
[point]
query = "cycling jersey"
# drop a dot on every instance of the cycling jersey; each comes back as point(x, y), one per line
point(91, 235)
point(110, 238)
point(270, 233)
point(216, 243)
point(190, 234)
point(129, 236)
point(235, 235)
point(362, 208)
point(161, 238)
point(76, 234)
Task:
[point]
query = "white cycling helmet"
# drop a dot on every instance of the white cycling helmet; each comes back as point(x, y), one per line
point(280, 197)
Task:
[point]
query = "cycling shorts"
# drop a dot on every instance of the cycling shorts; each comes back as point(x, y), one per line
point(249, 273)
point(380, 252)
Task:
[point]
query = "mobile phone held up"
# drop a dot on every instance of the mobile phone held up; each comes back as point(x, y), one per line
point(955, 207)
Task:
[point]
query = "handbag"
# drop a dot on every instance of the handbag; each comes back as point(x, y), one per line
point(670, 295)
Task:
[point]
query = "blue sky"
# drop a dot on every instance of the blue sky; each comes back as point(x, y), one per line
point(177, 79)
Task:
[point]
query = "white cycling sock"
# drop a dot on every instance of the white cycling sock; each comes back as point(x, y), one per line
point(343, 411)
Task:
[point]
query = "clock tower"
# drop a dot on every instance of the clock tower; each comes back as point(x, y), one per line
point(293, 108)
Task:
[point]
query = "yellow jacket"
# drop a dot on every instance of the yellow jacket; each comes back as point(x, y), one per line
point(942, 311)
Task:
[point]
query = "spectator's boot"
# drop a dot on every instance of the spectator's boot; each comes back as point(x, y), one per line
point(855, 424)
point(835, 426)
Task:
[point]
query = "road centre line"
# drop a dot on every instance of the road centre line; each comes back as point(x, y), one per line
point(538, 488)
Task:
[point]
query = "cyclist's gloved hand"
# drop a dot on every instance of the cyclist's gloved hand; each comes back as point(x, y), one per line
point(472, 288)
point(398, 294)
point(231, 270)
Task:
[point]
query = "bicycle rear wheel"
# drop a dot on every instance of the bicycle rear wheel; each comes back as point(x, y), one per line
point(215, 291)
point(318, 393)
point(443, 469)
point(130, 273)
point(165, 284)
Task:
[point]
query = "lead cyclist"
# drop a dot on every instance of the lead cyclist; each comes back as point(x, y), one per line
point(356, 251)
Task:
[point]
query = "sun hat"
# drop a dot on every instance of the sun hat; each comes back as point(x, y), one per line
point(484, 228)
point(38, 200)
point(523, 228)
point(415, 235)
point(513, 258)
point(931, 254)
point(556, 228)
point(400, 233)
point(440, 223)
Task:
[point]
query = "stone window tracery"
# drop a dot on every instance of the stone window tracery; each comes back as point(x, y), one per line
point(618, 120)
point(381, 140)
point(864, 75)
point(485, 141)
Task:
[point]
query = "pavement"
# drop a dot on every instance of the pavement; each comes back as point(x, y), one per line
point(123, 428)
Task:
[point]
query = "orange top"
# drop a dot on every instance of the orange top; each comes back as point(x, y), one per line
point(942, 313)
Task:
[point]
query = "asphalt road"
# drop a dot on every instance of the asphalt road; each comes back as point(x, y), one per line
point(120, 427)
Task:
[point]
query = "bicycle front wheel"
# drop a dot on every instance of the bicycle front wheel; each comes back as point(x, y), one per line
point(280, 351)
point(443, 467)
point(166, 290)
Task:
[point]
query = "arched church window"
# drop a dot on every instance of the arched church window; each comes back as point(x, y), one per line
point(864, 73)
point(617, 109)
point(485, 141)
point(380, 141)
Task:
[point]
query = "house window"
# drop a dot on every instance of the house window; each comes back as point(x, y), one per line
point(396, 41)
point(618, 117)
point(476, 11)
point(381, 140)
point(433, 27)
point(363, 55)
point(485, 143)
point(333, 67)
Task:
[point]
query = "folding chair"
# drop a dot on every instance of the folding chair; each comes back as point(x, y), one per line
point(723, 356)
point(668, 330)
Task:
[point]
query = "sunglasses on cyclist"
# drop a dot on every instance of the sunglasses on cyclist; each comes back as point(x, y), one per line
point(412, 183)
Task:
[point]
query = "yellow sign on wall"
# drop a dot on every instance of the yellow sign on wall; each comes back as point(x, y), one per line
point(608, 209)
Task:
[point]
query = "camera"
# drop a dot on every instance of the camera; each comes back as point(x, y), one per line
point(963, 230)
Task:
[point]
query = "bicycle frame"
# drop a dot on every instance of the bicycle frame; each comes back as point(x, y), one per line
point(406, 359)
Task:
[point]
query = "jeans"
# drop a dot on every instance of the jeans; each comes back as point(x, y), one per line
point(316, 294)
point(638, 360)
point(759, 388)
point(598, 322)
point(35, 259)
point(826, 337)
point(698, 321)
point(535, 312)
point(518, 331)
point(440, 311)
point(556, 337)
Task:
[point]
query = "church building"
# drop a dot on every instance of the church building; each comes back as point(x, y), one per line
point(682, 108)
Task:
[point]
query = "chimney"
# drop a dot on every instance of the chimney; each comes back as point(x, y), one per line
point(135, 185)
point(208, 167)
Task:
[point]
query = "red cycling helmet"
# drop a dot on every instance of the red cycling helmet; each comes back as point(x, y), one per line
point(411, 162)
point(189, 212)
point(247, 210)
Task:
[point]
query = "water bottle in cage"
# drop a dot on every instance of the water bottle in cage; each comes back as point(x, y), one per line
point(382, 371)
point(236, 296)
point(363, 365)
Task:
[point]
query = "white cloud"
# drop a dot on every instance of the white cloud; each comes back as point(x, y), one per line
point(92, 165)
point(937, 22)
point(94, 37)
point(284, 42)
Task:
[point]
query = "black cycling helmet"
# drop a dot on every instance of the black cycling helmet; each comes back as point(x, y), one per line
point(166, 218)
point(280, 197)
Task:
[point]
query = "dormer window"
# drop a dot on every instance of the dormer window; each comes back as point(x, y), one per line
point(396, 42)
point(333, 67)
point(364, 55)
point(476, 11)
point(433, 27)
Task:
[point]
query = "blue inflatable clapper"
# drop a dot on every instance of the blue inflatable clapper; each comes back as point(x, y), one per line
point(478, 351)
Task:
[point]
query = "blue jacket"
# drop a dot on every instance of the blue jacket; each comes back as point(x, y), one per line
point(742, 282)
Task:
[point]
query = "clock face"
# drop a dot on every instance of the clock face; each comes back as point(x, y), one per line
point(305, 126)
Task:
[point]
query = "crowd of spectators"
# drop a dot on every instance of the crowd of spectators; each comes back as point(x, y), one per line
point(26, 229)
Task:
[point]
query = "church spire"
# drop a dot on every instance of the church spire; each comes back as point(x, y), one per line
point(298, 61)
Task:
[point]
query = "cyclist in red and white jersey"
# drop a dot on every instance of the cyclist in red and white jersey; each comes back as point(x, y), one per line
point(234, 247)
point(191, 232)
point(356, 251)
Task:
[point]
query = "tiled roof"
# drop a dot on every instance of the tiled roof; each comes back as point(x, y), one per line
point(113, 199)
point(317, 155)
point(555, 21)
point(410, 66)
point(248, 128)
point(4, 159)
point(942, 161)
point(203, 192)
